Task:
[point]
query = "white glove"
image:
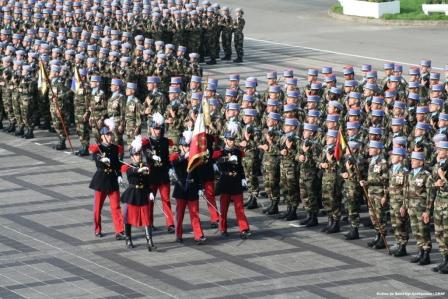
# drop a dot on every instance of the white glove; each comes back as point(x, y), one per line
point(151, 196)
point(120, 180)
point(233, 158)
point(187, 155)
point(244, 183)
point(105, 160)
point(215, 168)
point(143, 169)
point(171, 173)
point(201, 193)
point(156, 158)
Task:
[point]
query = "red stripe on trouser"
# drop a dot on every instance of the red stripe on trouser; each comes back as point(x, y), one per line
point(209, 192)
point(239, 211)
point(166, 204)
point(193, 209)
point(115, 210)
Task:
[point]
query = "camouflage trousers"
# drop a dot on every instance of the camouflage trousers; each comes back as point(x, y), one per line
point(250, 165)
point(376, 211)
point(308, 191)
point(399, 224)
point(211, 43)
point(96, 124)
point(271, 177)
point(43, 104)
point(238, 39)
point(82, 127)
point(26, 102)
point(194, 43)
point(131, 130)
point(289, 184)
point(441, 225)
point(420, 230)
point(330, 197)
point(226, 41)
point(16, 108)
point(174, 136)
point(351, 193)
point(58, 115)
point(7, 105)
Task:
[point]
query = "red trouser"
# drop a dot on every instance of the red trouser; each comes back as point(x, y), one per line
point(239, 211)
point(166, 204)
point(209, 192)
point(115, 210)
point(193, 208)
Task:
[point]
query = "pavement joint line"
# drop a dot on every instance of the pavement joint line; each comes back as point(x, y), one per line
point(335, 52)
point(89, 261)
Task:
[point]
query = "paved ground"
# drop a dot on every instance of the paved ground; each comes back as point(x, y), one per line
point(47, 247)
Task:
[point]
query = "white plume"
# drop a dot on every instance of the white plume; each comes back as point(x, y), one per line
point(232, 127)
point(188, 135)
point(158, 119)
point(110, 123)
point(137, 143)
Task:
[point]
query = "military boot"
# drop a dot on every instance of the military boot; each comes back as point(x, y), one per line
point(443, 263)
point(211, 62)
point(274, 208)
point(353, 234)
point(375, 240)
point(148, 236)
point(284, 214)
point(84, 151)
point(127, 231)
point(380, 244)
point(425, 260)
point(238, 60)
point(11, 128)
point(313, 220)
point(227, 57)
point(401, 251)
point(444, 269)
point(265, 210)
point(306, 220)
point(29, 134)
point(329, 224)
point(292, 215)
point(19, 131)
point(253, 203)
point(61, 145)
point(335, 227)
point(416, 258)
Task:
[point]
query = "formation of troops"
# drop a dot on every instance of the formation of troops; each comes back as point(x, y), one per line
point(130, 72)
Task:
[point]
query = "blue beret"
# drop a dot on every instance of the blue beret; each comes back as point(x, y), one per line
point(196, 79)
point(272, 102)
point(394, 78)
point(375, 131)
point(291, 122)
point(414, 71)
point(421, 126)
point(437, 87)
point(366, 67)
point(353, 125)
point(211, 86)
point(335, 90)
point(398, 68)
point(288, 73)
point(55, 68)
point(399, 151)
point(153, 79)
point(378, 113)
point(252, 84)
point(176, 80)
point(289, 107)
point(248, 98)
point(348, 70)
point(425, 62)
point(376, 144)
point(351, 83)
point(95, 79)
point(274, 116)
point(104, 130)
point(313, 113)
point(372, 74)
point(400, 140)
point(434, 76)
point(439, 137)
point(371, 86)
point(310, 127)
point(234, 77)
point(250, 112)
point(212, 81)
point(390, 94)
point(422, 109)
point(414, 96)
point(312, 98)
point(399, 105)
point(388, 66)
point(275, 89)
point(213, 102)
point(397, 121)
point(354, 112)
point(327, 70)
point(271, 75)
point(316, 86)
point(293, 94)
point(355, 95)
point(437, 101)
point(443, 116)
point(313, 72)
point(330, 78)
point(233, 106)
point(231, 92)
point(332, 133)
point(131, 85)
point(378, 100)
point(173, 89)
point(116, 82)
point(418, 156)
point(291, 81)
point(196, 96)
point(442, 144)
point(332, 117)
point(353, 144)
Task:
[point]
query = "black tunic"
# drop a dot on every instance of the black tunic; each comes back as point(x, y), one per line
point(205, 170)
point(138, 190)
point(159, 147)
point(183, 188)
point(232, 173)
point(106, 176)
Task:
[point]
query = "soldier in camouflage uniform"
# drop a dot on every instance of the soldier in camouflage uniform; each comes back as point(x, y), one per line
point(307, 150)
point(6, 89)
point(15, 96)
point(116, 106)
point(238, 36)
point(155, 101)
point(377, 184)
point(289, 170)
point(81, 103)
point(133, 113)
point(98, 106)
point(210, 26)
point(330, 182)
point(248, 142)
point(397, 176)
point(194, 32)
point(174, 117)
point(441, 206)
point(418, 204)
point(226, 23)
point(271, 162)
point(26, 90)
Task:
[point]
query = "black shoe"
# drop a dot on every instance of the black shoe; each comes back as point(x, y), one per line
point(99, 235)
point(425, 260)
point(29, 134)
point(329, 224)
point(148, 235)
point(284, 214)
point(263, 194)
point(353, 234)
point(443, 263)
point(375, 240)
point(380, 244)
point(306, 220)
point(227, 57)
point(252, 203)
point(293, 215)
point(61, 145)
point(120, 236)
point(335, 228)
point(179, 240)
point(84, 151)
point(19, 131)
point(238, 60)
point(11, 128)
point(171, 229)
point(245, 234)
point(247, 202)
point(274, 209)
point(129, 244)
point(401, 251)
point(201, 240)
point(313, 221)
point(444, 269)
point(211, 62)
point(265, 210)
point(1, 125)
point(416, 258)
point(214, 224)
point(224, 234)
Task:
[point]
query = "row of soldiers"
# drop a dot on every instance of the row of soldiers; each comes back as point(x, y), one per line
point(199, 27)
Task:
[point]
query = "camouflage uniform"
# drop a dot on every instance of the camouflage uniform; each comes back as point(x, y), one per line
point(98, 110)
point(271, 169)
point(238, 36)
point(58, 106)
point(289, 172)
point(441, 215)
point(251, 160)
point(6, 89)
point(377, 182)
point(174, 129)
point(81, 105)
point(133, 119)
point(397, 177)
point(116, 108)
point(351, 191)
point(330, 180)
point(26, 90)
point(226, 24)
